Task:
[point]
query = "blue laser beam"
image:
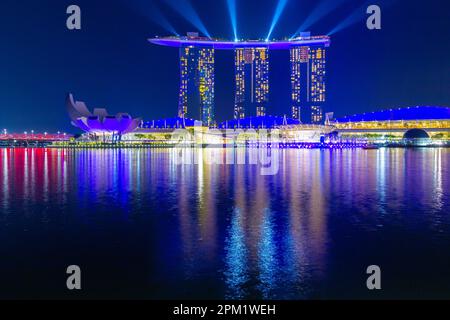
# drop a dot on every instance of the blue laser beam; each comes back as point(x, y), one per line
point(358, 15)
point(187, 11)
point(278, 11)
point(321, 10)
point(232, 11)
point(151, 12)
point(163, 22)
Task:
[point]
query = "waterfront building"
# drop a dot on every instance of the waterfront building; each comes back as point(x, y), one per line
point(252, 88)
point(434, 121)
point(316, 90)
point(261, 122)
point(252, 82)
point(308, 75)
point(99, 122)
point(299, 56)
point(196, 96)
point(169, 123)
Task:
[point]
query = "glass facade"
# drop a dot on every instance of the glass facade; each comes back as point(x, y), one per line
point(297, 57)
point(197, 84)
point(308, 83)
point(317, 83)
point(316, 114)
point(252, 82)
point(240, 63)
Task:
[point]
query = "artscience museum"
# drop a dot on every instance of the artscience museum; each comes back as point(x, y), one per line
point(99, 123)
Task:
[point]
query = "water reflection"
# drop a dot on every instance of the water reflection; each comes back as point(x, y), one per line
point(214, 226)
point(5, 179)
point(236, 263)
point(438, 193)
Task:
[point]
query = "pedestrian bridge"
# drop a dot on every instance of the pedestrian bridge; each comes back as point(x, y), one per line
point(32, 139)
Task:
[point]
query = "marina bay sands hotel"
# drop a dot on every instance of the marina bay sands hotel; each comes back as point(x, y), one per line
point(308, 89)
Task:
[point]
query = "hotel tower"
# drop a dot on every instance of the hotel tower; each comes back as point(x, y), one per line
point(252, 82)
point(308, 82)
point(196, 97)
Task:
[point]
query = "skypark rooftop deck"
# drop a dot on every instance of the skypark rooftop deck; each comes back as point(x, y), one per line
point(221, 44)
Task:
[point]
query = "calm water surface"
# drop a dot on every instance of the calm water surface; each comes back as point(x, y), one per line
point(142, 226)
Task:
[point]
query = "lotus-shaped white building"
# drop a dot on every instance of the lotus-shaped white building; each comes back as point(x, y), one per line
point(99, 121)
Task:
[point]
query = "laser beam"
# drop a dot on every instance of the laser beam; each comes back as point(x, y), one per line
point(324, 8)
point(278, 11)
point(358, 15)
point(187, 11)
point(232, 11)
point(151, 12)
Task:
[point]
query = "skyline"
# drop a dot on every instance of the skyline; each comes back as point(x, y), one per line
point(115, 67)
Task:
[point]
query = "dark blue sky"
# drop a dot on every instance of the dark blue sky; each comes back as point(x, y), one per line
point(110, 64)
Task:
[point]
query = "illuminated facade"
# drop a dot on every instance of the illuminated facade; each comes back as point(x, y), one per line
point(261, 122)
point(99, 121)
point(251, 75)
point(196, 97)
point(299, 56)
point(316, 90)
point(252, 82)
point(308, 83)
point(316, 114)
point(395, 122)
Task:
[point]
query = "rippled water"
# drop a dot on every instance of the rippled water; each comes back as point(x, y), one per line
point(140, 225)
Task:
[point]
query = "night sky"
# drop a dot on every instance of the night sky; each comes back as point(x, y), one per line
point(109, 63)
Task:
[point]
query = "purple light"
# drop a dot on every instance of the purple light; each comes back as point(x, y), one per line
point(231, 45)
